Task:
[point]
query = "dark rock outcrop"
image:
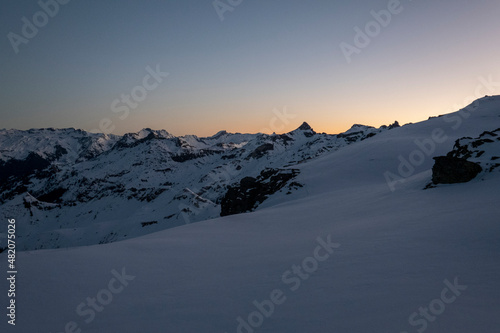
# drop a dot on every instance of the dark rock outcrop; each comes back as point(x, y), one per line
point(305, 127)
point(451, 170)
point(261, 151)
point(53, 196)
point(188, 155)
point(252, 191)
point(394, 125)
point(22, 168)
point(469, 157)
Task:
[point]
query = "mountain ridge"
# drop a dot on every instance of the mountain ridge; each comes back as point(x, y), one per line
point(84, 181)
point(76, 188)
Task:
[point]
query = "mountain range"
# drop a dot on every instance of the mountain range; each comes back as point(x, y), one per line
point(78, 188)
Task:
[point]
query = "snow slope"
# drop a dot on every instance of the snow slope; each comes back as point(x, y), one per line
point(404, 259)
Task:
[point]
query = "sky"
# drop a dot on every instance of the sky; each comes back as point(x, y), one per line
point(200, 66)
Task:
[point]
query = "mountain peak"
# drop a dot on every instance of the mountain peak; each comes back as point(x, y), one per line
point(356, 126)
point(305, 127)
point(394, 125)
point(218, 134)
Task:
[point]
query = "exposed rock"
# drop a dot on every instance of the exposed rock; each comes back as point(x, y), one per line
point(22, 168)
point(305, 127)
point(145, 224)
point(219, 134)
point(252, 191)
point(395, 125)
point(369, 136)
point(261, 150)
point(72, 175)
point(53, 196)
point(451, 170)
point(284, 138)
point(187, 156)
point(468, 158)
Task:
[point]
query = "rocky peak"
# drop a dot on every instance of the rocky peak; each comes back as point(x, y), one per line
point(394, 125)
point(305, 127)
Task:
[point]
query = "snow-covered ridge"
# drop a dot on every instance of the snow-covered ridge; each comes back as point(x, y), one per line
point(63, 145)
point(105, 186)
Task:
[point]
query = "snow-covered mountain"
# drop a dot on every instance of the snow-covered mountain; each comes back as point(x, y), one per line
point(365, 245)
point(78, 188)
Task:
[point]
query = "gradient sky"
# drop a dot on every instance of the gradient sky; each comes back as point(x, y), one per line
point(265, 57)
